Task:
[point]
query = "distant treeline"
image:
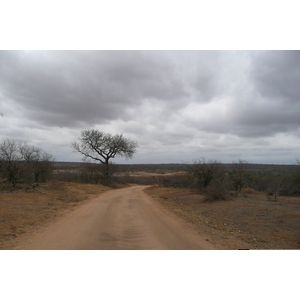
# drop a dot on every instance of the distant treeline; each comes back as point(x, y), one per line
point(169, 167)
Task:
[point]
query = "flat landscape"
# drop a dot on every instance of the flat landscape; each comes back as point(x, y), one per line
point(23, 212)
point(120, 219)
point(250, 220)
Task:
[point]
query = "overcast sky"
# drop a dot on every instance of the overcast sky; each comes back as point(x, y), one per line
point(178, 105)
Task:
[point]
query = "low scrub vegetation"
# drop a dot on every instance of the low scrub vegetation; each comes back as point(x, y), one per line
point(218, 181)
point(215, 180)
point(21, 163)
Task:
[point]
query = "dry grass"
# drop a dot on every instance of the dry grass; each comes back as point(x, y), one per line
point(21, 211)
point(246, 221)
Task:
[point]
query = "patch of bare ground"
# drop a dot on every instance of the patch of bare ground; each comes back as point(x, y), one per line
point(247, 221)
point(21, 211)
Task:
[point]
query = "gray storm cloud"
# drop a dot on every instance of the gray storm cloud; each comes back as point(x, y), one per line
point(194, 102)
point(67, 87)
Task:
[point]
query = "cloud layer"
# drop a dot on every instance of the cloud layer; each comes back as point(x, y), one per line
point(178, 105)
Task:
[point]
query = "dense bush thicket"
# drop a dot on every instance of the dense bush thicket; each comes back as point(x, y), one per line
point(20, 162)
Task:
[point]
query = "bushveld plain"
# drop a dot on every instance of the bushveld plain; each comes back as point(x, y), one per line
point(254, 217)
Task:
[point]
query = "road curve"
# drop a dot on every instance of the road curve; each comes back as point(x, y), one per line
point(122, 219)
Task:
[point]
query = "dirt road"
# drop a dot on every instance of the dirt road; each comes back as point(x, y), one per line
point(125, 219)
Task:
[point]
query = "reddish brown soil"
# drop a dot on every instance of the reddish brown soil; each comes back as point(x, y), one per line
point(124, 219)
point(248, 221)
point(22, 212)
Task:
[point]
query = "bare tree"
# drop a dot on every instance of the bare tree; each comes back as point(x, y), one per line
point(205, 171)
point(10, 160)
point(38, 162)
point(239, 175)
point(43, 167)
point(275, 188)
point(102, 147)
point(23, 162)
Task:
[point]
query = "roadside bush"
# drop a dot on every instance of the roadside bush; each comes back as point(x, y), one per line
point(203, 172)
point(239, 175)
point(218, 189)
point(209, 178)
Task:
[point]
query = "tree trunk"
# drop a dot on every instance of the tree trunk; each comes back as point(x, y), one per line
point(106, 173)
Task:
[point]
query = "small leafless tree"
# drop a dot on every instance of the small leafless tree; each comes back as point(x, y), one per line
point(204, 171)
point(102, 147)
point(238, 175)
point(10, 160)
point(23, 162)
point(38, 163)
point(274, 190)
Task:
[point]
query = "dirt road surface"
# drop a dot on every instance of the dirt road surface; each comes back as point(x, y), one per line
point(124, 219)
